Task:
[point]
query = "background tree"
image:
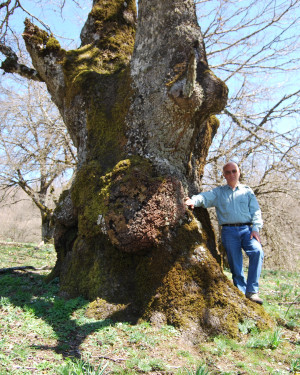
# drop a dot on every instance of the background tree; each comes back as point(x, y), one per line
point(36, 149)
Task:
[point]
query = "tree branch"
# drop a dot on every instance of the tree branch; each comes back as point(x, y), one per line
point(23, 184)
point(11, 65)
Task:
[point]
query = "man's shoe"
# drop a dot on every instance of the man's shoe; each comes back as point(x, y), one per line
point(254, 297)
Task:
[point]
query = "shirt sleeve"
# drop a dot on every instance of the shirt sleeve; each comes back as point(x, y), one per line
point(255, 212)
point(205, 199)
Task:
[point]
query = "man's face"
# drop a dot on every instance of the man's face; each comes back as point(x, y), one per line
point(231, 173)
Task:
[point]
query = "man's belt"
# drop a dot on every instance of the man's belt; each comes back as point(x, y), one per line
point(236, 224)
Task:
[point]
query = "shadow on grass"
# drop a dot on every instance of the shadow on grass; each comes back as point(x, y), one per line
point(29, 292)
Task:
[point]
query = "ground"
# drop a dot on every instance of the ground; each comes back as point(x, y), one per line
point(41, 333)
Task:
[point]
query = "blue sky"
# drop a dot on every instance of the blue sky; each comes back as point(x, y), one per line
point(66, 25)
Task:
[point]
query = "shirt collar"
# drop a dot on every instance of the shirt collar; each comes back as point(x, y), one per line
point(238, 186)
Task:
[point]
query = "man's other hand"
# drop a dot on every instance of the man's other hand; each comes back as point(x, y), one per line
point(255, 235)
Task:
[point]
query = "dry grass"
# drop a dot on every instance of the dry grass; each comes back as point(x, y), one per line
point(20, 222)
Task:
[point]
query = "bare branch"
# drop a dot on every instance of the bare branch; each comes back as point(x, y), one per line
point(36, 149)
point(11, 65)
point(36, 18)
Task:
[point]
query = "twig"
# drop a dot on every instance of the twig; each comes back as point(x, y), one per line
point(18, 244)
point(292, 303)
point(289, 303)
point(112, 359)
point(27, 368)
point(22, 268)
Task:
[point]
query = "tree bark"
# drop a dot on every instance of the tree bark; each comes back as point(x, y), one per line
point(47, 227)
point(139, 103)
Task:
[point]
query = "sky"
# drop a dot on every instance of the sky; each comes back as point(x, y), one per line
point(65, 25)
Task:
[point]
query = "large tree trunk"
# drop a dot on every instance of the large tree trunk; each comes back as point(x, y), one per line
point(139, 105)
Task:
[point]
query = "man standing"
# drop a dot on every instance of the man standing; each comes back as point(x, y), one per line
point(239, 215)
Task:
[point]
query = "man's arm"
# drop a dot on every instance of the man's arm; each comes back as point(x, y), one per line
point(255, 212)
point(206, 199)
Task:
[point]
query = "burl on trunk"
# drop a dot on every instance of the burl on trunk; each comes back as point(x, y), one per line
point(139, 99)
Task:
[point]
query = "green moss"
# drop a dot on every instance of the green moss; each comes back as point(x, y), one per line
point(89, 193)
point(213, 123)
point(109, 10)
point(101, 309)
point(117, 33)
point(45, 42)
point(107, 55)
point(109, 15)
point(108, 96)
point(52, 44)
point(163, 277)
point(120, 47)
point(106, 122)
point(36, 35)
point(98, 270)
point(81, 67)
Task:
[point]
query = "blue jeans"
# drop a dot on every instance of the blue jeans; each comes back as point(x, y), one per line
point(235, 239)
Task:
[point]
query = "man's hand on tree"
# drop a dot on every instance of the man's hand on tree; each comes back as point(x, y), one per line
point(189, 203)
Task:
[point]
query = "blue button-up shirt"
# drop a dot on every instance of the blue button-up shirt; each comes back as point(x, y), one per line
point(233, 206)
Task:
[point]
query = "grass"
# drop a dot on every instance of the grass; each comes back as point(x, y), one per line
point(41, 333)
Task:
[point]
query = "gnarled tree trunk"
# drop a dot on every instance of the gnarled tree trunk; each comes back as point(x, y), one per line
point(139, 103)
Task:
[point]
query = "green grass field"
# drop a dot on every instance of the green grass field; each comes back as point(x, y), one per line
point(42, 333)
